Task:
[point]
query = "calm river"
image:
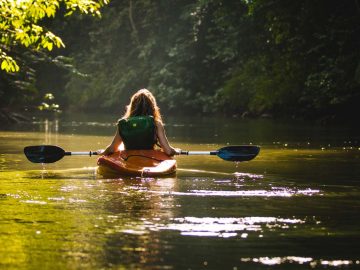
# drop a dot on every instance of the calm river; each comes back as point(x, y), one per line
point(296, 206)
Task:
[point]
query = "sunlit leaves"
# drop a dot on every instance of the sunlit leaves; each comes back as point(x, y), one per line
point(20, 24)
point(85, 6)
point(48, 104)
point(7, 63)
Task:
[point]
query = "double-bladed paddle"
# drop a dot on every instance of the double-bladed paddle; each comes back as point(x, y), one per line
point(52, 153)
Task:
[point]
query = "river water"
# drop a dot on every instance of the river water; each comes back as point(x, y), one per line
point(296, 206)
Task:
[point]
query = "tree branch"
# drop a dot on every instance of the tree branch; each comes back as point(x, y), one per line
point(133, 26)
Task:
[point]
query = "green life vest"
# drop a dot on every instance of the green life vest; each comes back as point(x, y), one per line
point(138, 132)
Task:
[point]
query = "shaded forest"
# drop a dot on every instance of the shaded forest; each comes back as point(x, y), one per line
point(253, 57)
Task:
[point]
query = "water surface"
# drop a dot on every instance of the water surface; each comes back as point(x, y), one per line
point(296, 206)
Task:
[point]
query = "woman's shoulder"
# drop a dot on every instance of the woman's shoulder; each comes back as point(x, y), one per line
point(122, 119)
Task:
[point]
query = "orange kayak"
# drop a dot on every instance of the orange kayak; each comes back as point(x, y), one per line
point(137, 163)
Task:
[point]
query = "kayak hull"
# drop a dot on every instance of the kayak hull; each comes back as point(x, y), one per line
point(145, 163)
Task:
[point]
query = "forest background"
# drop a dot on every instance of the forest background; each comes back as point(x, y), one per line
point(279, 58)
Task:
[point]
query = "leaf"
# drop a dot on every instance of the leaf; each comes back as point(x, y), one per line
point(17, 23)
point(50, 11)
point(9, 65)
point(59, 43)
point(50, 46)
point(4, 65)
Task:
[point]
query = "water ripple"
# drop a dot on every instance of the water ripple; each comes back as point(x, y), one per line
point(274, 192)
point(34, 202)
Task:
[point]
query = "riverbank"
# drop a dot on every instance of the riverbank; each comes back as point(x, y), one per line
point(11, 117)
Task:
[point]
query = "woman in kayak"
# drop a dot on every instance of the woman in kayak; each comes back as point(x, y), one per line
point(141, 127)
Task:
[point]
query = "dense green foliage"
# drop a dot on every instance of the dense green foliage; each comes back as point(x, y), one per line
point(253, 57)
point(19, 25)
point(24, 37)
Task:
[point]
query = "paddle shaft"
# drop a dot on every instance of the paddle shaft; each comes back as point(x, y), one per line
point(188, 153)
point(89, 153)
point(198, 153)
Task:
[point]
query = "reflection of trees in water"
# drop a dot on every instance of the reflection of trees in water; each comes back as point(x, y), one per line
point(130, 226)
point(51, 131)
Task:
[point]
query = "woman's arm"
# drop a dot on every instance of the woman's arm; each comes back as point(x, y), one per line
point(164, 143)
point(114, 146)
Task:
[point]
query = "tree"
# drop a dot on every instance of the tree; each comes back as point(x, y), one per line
point(21, 25)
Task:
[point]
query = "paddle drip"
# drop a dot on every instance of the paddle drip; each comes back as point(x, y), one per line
point(144, 171)
point(43, 171)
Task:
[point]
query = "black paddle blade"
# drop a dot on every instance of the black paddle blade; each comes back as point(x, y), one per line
point(238, 152)
point(44, 153)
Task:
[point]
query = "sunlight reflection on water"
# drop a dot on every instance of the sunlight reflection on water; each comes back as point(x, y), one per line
point(250, 175)
point(300, 260)
point(34, 202)
point(217, 226)
point(226, 227)
point(274, 192)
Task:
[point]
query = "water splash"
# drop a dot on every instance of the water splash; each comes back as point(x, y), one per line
point(252, 176)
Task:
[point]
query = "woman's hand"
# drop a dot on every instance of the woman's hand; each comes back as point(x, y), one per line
point(100, 152)
point(105, 152)
point(176, 151)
